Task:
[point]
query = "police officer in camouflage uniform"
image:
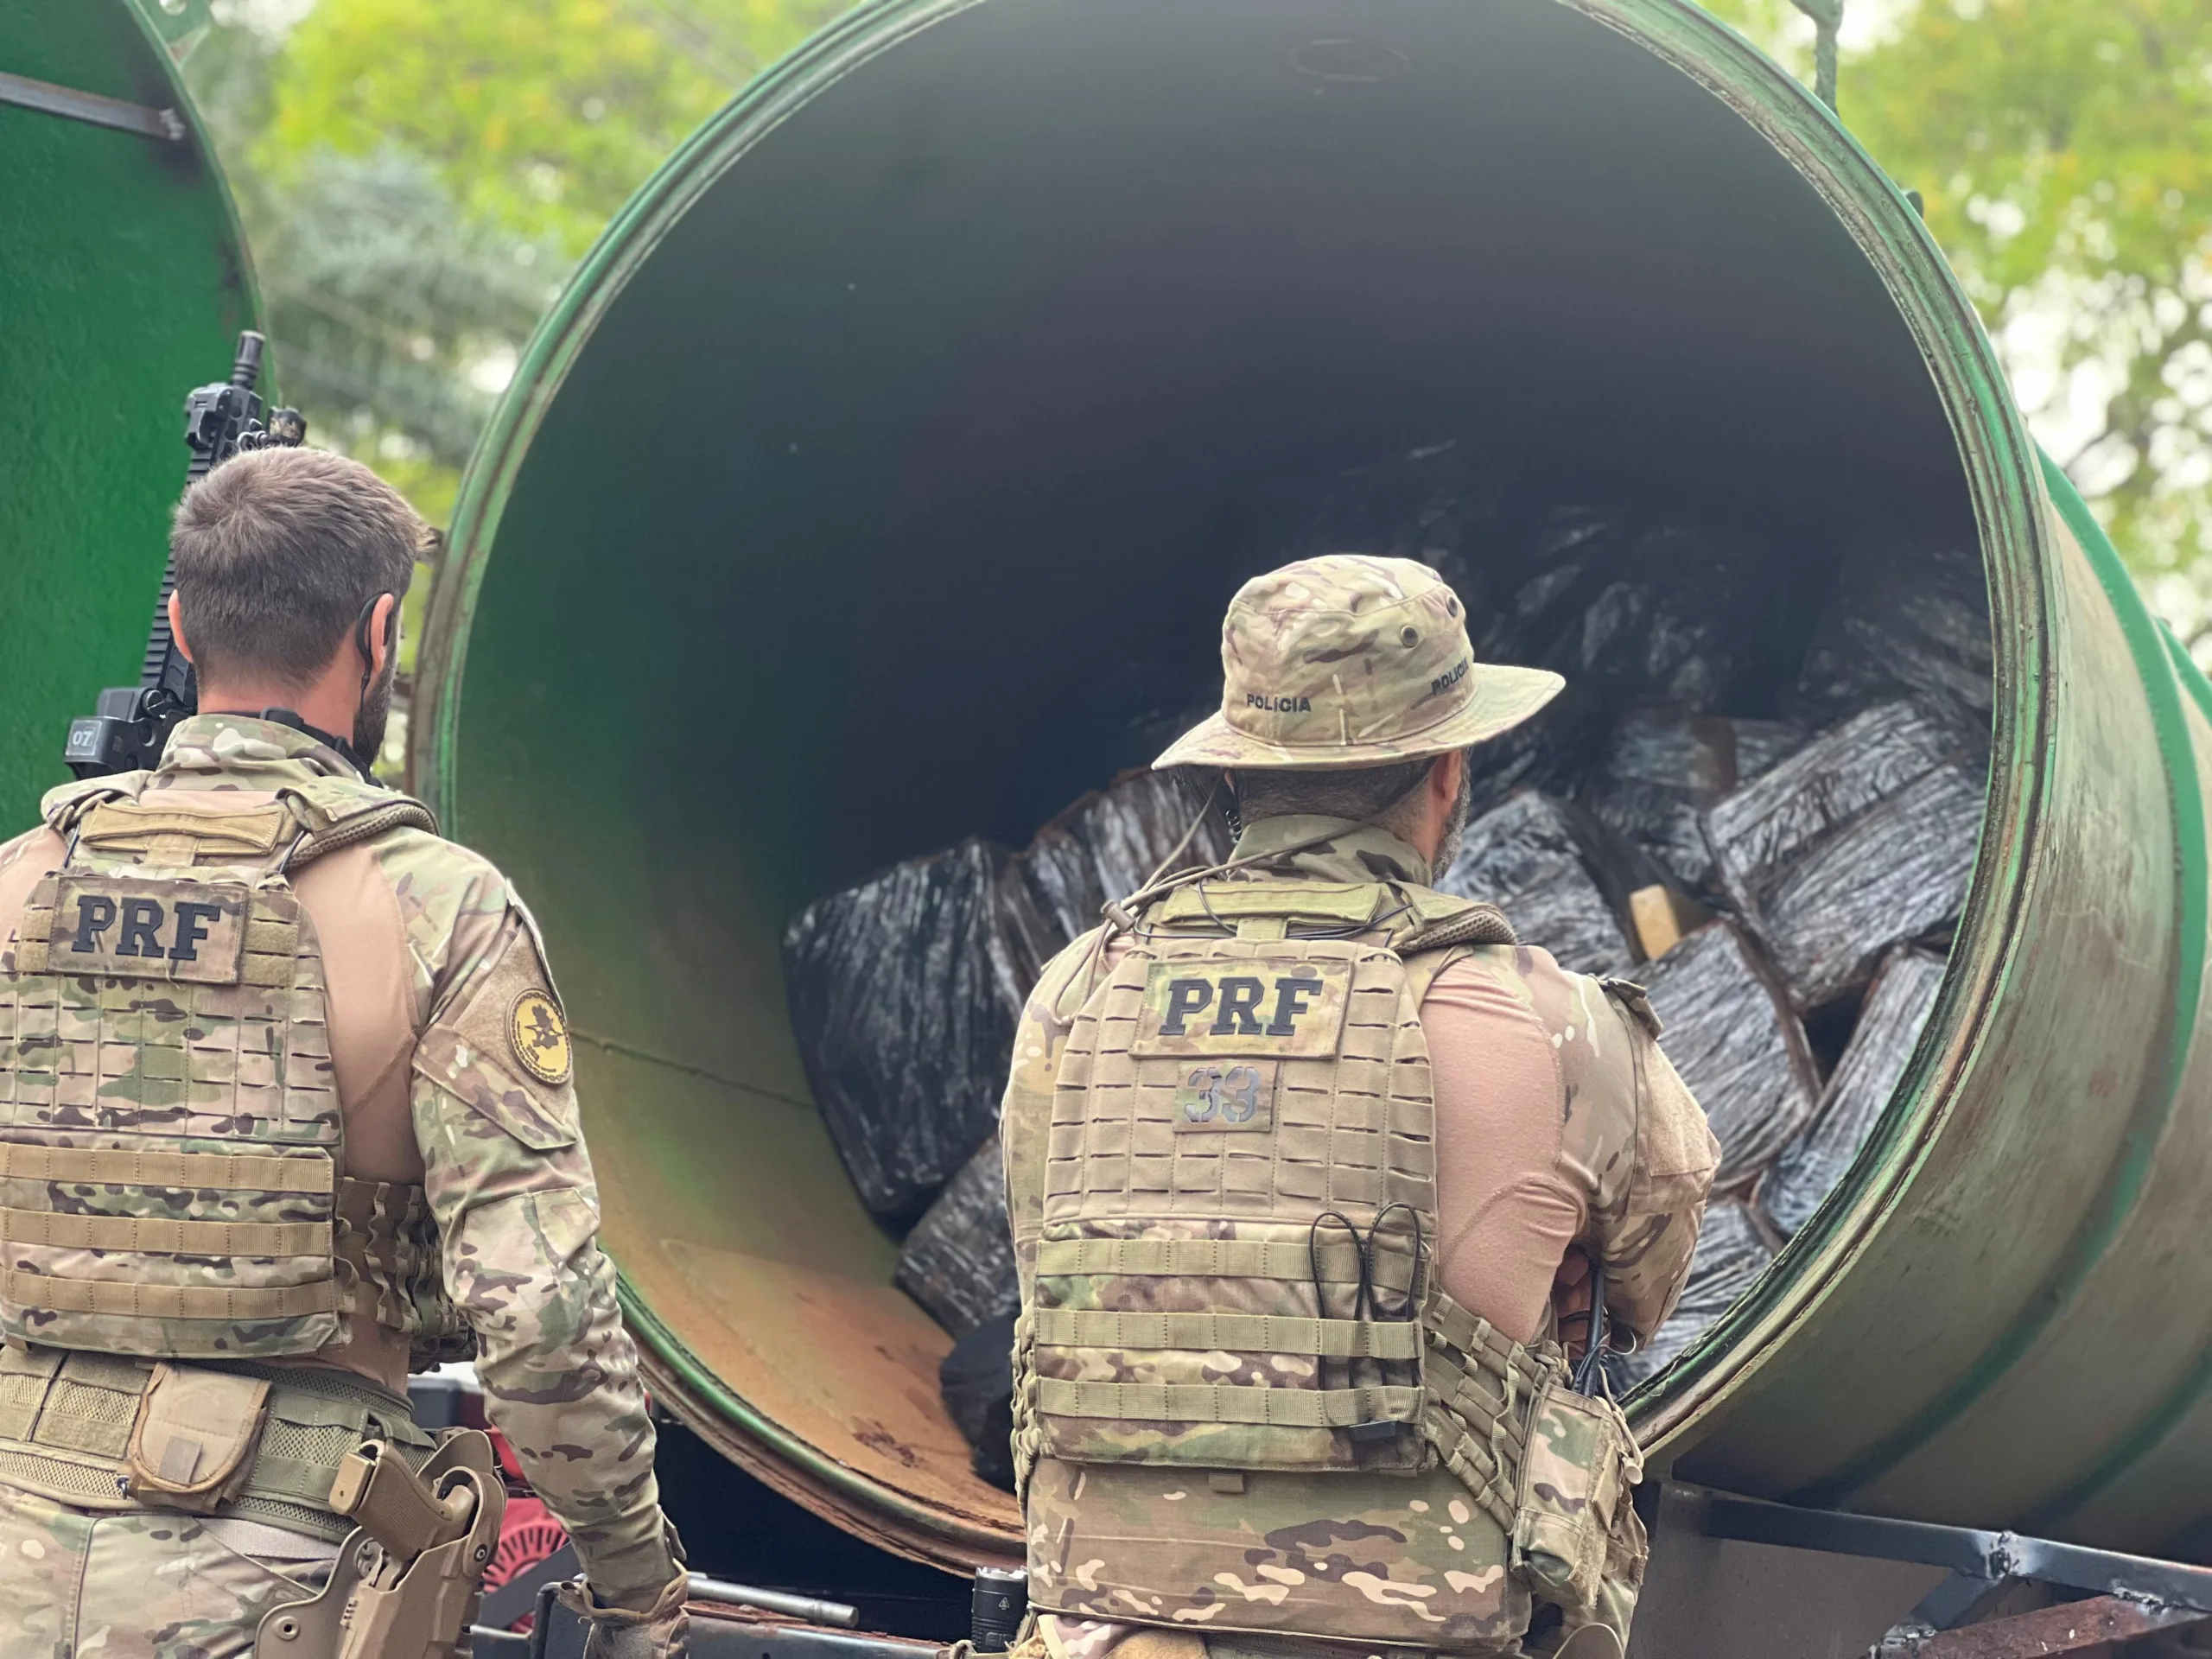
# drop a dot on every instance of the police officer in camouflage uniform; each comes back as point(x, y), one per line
point(1305, 1159)
point(285, 1112)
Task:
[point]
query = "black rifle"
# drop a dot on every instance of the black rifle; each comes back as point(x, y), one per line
point(132, 724)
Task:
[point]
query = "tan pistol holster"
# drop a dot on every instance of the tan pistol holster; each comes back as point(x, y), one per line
point(407, 1578)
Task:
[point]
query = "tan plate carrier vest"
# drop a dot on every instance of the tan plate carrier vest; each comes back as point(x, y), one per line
point(173, 1179)
point(1235, 1274)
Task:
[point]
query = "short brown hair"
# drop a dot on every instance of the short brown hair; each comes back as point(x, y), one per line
point(1379, 795)
point(277, 551)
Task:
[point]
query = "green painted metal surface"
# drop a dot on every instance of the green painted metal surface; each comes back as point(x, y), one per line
point(932, 394)
point(122, 286)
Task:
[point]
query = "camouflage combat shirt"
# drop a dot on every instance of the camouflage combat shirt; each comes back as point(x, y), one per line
point(474, 1101)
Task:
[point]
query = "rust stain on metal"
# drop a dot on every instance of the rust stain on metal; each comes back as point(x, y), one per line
point(878, 1438)
point(2080, 1628)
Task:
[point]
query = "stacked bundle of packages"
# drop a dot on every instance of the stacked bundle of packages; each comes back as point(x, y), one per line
point(1759, 797)
point(903, 994)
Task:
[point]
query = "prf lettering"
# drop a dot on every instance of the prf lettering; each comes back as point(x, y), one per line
point(1237, 1013)
point(140, 926)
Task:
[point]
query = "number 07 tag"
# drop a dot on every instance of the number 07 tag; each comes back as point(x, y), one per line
point(1222, 1096)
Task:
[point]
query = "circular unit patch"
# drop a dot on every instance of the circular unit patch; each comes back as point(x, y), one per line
point(539, 1037)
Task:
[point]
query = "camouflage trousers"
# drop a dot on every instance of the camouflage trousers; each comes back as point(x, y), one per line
point(142, 1584)
point(1047, 1637)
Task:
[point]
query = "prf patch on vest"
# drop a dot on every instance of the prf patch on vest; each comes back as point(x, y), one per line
point(539, 1037)
point(1281, 1006)
point(128, 927)
point(1218, 1097)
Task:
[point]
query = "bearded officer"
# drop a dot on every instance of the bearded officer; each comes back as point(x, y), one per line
point(288, 1112)
point(1303, 1159)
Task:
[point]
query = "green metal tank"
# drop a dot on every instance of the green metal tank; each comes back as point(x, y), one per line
point(932, 381)
point(936, 381)
point(123, 284)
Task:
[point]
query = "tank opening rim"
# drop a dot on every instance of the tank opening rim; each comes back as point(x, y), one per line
point(2002, 474)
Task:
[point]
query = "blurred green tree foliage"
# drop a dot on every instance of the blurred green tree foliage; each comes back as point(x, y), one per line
point(539, 116)
point(2064, 150)
point(417, 177)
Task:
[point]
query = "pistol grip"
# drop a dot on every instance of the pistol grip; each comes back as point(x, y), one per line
point(376, 1489)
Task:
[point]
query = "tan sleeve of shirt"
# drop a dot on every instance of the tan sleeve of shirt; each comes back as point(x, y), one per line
point(1507, 1207)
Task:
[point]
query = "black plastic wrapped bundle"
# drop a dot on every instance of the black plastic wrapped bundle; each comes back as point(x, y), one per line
point(1130, 828)
point(1662, 767)
point(1897, 1005)
point(1898, 872)
point(1732, 1036)
point(1762, 829)
point(1862, 839)
point(903, 993)
point(958, 1260)
point(1730, 1254)
point(1537, 859)
point(1689, 620)
point(976, 1379)
point(1103, 847)
point(1904, 621)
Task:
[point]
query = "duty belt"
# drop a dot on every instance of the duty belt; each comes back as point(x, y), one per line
point(91, 1430)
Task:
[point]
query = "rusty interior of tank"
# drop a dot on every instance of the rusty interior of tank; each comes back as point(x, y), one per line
point(937, 427)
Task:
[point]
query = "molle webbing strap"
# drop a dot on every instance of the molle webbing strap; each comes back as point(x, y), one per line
point(35, 928)
point(65, 808)
point(386, 1248)
point(115, 1166)
point(48, 1292)
point(68, 1230)
point(1202, 1402)
point(1250, 1333)
point(1482, 1387)
point(1485, 1343)
point(1490, 1472)
point(1217, 1258)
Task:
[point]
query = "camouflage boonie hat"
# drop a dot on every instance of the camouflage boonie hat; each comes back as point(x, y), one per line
point(1353, 661)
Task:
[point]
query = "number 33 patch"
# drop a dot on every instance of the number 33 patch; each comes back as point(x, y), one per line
point(1224, 1096)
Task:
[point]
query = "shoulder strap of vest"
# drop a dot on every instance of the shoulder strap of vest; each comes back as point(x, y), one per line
point(65, 805)
point(326, 819)
point(1425, 967)
point(1457, 921)
point(336, 814)
point(1440, 920)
